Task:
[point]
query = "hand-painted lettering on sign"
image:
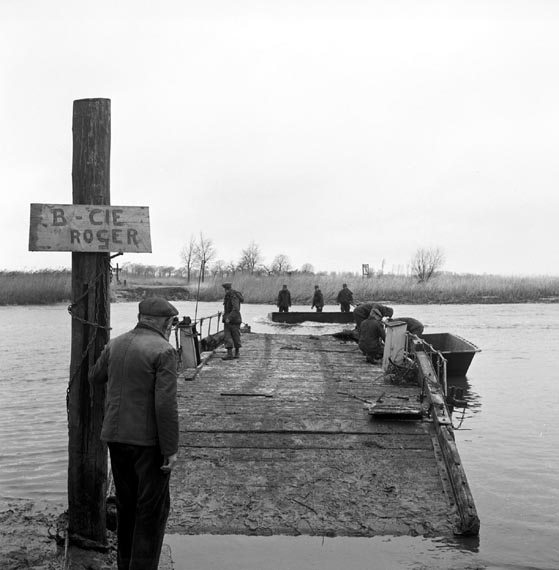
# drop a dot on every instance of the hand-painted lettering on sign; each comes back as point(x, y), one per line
point(84, 228)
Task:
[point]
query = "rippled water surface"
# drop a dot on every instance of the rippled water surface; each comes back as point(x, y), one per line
point(508, 439)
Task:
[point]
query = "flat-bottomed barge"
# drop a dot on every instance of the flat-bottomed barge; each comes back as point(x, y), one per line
point(282, 442)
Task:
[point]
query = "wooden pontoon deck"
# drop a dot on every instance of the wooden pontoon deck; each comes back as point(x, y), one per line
point(280, 442)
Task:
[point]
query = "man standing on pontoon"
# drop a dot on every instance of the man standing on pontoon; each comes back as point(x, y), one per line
point(345, 298)
point(284, 300)
point(318, 299)
point(232, 320)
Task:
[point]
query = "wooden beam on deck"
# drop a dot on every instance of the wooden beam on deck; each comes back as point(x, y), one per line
point(468, 523)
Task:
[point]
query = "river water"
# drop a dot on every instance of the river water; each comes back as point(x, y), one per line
point(508, 438)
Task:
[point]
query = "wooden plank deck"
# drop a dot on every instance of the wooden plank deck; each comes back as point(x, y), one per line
point(279, 442)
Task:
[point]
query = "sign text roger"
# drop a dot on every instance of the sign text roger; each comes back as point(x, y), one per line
point(85, 228)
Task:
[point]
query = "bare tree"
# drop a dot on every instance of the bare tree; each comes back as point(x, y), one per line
point(281, 264)
point(230, 268)
point(266, 269)
point(133, 268)
point(165, 270)
point(188, 255)
point(250, 257)
point(307, 268)
point(204, 253)
point(218, 268)
point(426, 262)
point(149, 270)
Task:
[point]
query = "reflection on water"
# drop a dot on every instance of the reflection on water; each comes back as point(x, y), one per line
point(507, 440)
point(205, 552)
point(473, 400)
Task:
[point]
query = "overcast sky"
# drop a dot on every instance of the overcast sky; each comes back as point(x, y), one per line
point(336, 132)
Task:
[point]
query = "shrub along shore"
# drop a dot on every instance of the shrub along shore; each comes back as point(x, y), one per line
point(54, 286)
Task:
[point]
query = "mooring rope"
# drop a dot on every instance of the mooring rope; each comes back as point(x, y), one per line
point(95, 326)
point(401, 373)
point(90, 286)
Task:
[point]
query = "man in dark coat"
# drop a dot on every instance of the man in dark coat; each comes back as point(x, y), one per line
point(345, 298)
point(413, 326)
point(284, 300)
point(372, 336)
point(362, 311)
point(141, 428)
point(232, 320)
point(317, 299)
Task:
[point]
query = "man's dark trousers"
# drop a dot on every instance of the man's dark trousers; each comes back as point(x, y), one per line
point(142, 502)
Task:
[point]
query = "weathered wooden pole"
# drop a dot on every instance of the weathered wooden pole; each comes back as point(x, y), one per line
point(87, 455)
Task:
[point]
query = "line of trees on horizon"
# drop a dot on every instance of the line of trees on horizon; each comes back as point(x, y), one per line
point(199, 261)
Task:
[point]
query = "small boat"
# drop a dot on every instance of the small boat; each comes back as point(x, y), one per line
point(297, 317)
point(457, 351)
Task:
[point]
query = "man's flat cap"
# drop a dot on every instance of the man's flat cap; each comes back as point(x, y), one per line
point(157, 307)
point(227, 284)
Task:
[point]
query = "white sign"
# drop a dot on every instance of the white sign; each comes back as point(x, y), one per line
point(93, 229)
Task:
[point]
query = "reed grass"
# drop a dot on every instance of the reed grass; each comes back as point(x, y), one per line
point(36, 287)
point(442, 289)
point(54, 286)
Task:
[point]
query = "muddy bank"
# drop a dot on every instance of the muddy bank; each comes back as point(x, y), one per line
point(32, 536)
point(138, 292)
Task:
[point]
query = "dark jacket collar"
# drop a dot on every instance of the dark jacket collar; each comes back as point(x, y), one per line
point(150, 328)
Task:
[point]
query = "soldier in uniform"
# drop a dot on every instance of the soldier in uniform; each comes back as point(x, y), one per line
point(413, 326)
point(317, 299)
point(362, 311)
point(345, 298)
point(232, 320)
point(284, 300)
point(372, 336)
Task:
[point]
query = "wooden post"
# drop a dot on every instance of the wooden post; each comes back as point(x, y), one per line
point(87, 455)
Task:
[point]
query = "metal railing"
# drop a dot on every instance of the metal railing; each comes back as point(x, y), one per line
point(437, 359)
point(209, 320)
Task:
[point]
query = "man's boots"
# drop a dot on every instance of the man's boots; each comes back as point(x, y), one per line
point(236, 353)
point(229, 355)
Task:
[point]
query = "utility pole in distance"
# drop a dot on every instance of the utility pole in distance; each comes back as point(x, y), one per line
point(87, 454)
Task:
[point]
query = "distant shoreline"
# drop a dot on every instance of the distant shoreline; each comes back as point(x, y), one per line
point(177, 293)
point(52, 287)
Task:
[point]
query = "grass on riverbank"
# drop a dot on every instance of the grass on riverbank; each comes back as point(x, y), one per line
point(54, 286)
point(443, 289)
point(35, 287)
